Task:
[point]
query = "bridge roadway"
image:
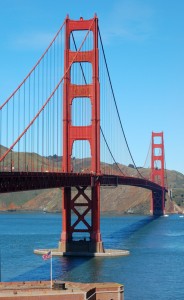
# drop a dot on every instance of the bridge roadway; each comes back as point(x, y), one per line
point(24, 181)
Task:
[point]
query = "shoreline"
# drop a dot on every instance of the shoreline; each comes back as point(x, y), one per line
point(105, 214)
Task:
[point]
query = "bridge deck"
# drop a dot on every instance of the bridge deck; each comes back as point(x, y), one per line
point(23, 181)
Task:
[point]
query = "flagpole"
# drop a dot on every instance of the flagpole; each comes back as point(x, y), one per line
point(51, 271)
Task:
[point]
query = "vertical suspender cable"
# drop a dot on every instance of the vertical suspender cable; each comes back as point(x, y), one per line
point(13, 125)
point(29, 119)
point(24, 122)
point(46, 110)
point(53, 109)
point(18, 129)
point(57, 108)
point(42, 129)
point(37, 134)
point(33, 157)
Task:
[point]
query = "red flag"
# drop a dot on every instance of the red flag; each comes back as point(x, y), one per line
point(47, 255)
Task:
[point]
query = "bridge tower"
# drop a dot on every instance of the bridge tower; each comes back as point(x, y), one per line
point(81, 216)
point(157, 173)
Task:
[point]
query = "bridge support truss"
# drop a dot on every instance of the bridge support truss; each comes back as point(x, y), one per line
point(81, 208)
point(157, 174)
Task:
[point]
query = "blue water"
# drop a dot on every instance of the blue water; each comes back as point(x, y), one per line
point(154, 269)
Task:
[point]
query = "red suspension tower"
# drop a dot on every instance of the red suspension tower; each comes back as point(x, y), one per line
point(157, 173)
point(84, 204)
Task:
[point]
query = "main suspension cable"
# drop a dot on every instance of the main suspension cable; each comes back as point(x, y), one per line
point(46, 102)
point(117, 106)
point(28, 75)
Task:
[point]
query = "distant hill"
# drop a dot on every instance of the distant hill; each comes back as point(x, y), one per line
point(122, 199)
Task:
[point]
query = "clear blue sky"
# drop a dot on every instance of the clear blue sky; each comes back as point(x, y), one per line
point(144, 45)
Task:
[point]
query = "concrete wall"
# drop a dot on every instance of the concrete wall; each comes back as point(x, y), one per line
point(74, 291)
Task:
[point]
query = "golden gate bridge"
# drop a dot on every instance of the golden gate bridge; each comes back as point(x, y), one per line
point(61, 127)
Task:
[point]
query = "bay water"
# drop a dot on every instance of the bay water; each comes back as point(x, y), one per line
point(153, 270)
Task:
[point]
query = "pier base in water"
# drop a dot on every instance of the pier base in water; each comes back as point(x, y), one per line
point(81, 246)
point(106, 253)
